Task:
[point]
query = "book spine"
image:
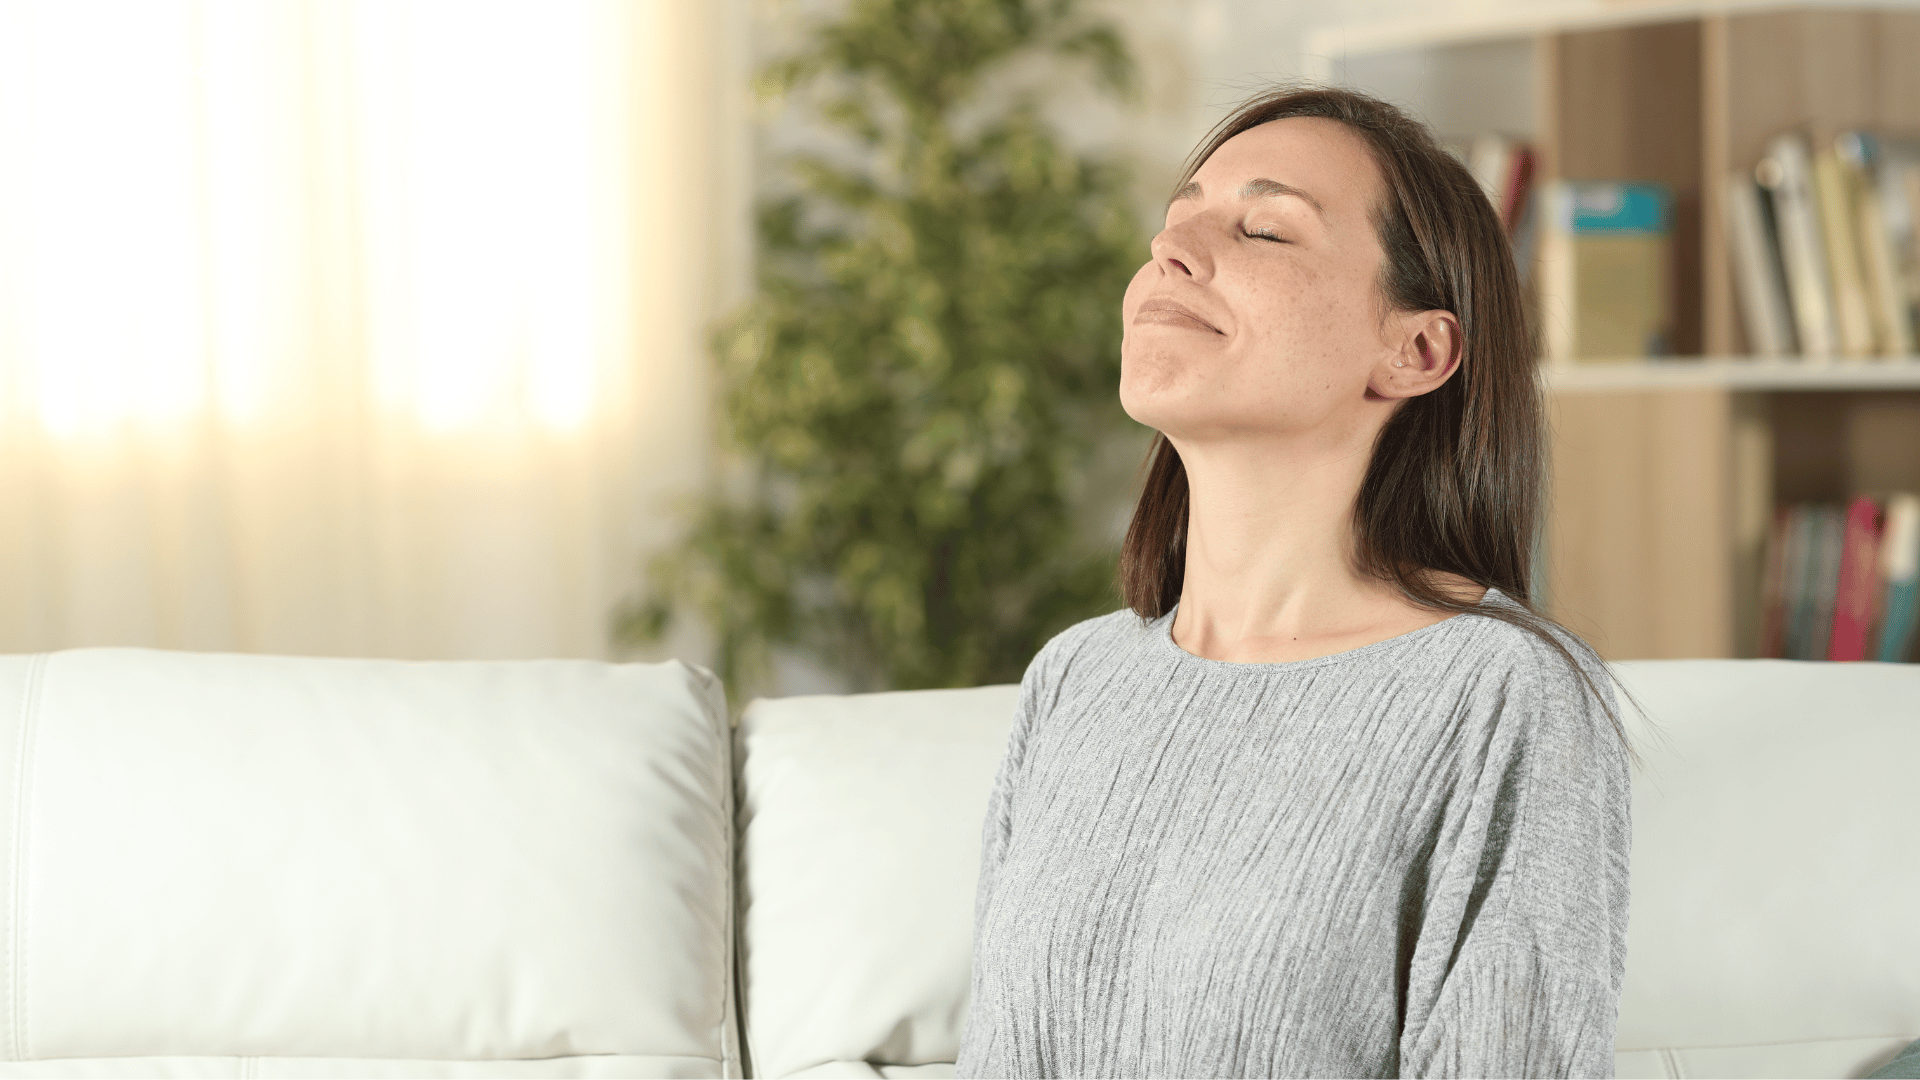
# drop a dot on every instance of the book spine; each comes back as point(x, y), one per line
point(1776, 259)
point(1893, 324)
point(1787, 172)
point(1837, 229)
point(1796, 575)
point(1900, 569)
point(1556, 273)
point(1526, 240)
point(1903, 604)
point(1773, 596)
point(1857, 583)
point(1906, 232)
point(1861, 157)
point(1829, 537)
point(1763, 296)
point(1489, 158)
point(1518, 186)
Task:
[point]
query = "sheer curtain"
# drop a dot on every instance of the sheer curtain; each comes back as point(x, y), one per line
point(367, 328)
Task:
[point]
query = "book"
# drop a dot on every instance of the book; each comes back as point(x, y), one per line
point(1897, 177)
point(1833, 195)
point(1900, 577)
point(1842, 583)
point(1859, 155)
point(1490, 160)
point(1823, 578)
point(1856, 588)
point(1910, 185)
point(1787, 174)
point(1797, 544)
point(1526, 246)
point(1764, 309)
point(1518, 186)
point(1773, 595)
point(1892, 316)
point(1605, 277)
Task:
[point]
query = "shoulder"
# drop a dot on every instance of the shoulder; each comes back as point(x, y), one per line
point(1092, 649)
point(1509, 643)
point(1085, 642)
point(1552, 677)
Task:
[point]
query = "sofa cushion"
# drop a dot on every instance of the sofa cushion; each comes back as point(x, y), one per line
point(329, 867)
point(860, 839)
point(1772, 929)
point(1770, 933)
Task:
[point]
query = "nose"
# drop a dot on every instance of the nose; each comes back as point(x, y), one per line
point(1178, 250)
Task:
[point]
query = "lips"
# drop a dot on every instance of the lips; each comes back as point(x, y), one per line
point(1162, 310)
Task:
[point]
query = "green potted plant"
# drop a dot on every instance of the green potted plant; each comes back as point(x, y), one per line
point(931, 353)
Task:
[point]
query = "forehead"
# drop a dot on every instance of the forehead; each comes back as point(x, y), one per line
point(1325, 158)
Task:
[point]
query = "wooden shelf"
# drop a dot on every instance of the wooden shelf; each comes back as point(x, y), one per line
point(1736, 373)
point(1665, 473)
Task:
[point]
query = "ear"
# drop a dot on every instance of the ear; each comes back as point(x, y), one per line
point(1424, 352)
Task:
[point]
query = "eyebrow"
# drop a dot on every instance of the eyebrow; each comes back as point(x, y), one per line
point(1258, 188)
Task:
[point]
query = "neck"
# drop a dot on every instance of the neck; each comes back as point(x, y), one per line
point(1271, 539)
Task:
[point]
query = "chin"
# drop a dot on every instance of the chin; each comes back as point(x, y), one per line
point(1166, 410)
point(1145, 399)
point(1152, 387)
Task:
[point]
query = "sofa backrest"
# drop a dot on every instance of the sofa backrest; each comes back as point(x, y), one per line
point(860, 837)
point(1776, 858)
point(1776, 869)
point(266, 866)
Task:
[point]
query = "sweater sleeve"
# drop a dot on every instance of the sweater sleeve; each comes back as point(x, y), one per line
point(976, 1054)
point(1523, 950)
point(1038, 688)
point(997, 830)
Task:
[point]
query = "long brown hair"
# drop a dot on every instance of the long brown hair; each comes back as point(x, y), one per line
point(1454, 484)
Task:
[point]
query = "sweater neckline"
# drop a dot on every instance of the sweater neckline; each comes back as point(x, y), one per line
point(1162, 632)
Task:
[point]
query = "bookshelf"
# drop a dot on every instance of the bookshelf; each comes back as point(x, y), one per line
point(1665, 473)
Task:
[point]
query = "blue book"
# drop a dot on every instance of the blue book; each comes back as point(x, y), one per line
point(1606, 285)
point(1900, 567)
point(1823, 584)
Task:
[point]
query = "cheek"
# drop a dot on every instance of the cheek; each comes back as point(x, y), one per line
point(1130, 301)
point(1320, 319)
point(1142, 364)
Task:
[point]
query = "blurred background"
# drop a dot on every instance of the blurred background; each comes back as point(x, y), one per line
point(781, 336)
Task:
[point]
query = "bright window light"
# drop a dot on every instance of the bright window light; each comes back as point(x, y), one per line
point(202, 200)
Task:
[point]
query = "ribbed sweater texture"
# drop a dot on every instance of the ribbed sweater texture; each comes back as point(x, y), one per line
point(1409, 859)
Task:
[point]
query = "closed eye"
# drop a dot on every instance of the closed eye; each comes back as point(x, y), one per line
point(1262, 234)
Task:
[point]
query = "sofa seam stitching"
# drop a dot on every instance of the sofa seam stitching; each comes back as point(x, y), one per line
point(730, 1021)
point(1744, 1045)
point(736, 953)
point(749, 1048)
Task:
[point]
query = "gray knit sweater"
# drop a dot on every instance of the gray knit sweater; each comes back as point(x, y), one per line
point(1409, 859)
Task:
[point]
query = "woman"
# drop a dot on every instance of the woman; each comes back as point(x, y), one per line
point(1331, 799)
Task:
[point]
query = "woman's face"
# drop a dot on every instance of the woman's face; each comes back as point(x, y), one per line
point(1260, 312)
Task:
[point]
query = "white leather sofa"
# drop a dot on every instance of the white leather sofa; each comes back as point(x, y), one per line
point(243, 866)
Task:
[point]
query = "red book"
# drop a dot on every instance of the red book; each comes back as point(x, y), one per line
point(1519, 184)
point(1859, 582)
